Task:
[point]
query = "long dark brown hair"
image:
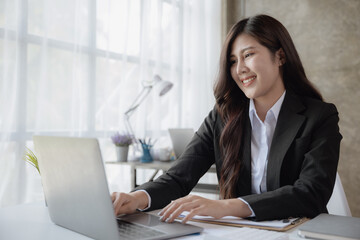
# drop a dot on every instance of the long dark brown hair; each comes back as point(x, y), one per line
point(231, 102)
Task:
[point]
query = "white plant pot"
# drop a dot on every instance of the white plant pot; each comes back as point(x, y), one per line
point(122, 153)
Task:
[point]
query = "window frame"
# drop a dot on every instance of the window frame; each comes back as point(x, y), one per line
point(23, 39)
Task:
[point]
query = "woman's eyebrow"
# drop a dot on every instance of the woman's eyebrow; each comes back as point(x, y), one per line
point(242, 51)
point(247, 48)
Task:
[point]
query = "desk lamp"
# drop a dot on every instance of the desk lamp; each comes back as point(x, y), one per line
point(161, 87)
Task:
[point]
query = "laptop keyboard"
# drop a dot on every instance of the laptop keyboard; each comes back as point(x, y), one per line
point(129, 230)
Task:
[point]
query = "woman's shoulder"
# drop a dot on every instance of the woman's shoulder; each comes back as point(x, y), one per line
point(318, 107)
point(214, 114)
point(213, 120)
point(317, 103)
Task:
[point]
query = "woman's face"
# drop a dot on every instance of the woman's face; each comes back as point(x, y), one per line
point(256, 70)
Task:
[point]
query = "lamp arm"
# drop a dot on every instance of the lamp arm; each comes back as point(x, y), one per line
point(130, 132)
point(137, 102)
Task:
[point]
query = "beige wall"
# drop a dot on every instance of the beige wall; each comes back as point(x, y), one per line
point(326, 34)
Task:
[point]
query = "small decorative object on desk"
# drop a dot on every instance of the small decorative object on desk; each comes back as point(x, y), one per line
point(122, 143)
point(161, 154)
point(146, 147)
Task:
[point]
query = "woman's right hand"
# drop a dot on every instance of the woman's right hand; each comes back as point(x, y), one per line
point(126, 203)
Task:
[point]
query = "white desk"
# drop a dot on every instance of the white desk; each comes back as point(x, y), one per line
point(32, 222)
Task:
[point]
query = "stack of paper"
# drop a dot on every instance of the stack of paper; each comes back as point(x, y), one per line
point(277, 225)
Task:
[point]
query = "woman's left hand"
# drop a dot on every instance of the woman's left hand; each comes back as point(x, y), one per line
point(197, 205)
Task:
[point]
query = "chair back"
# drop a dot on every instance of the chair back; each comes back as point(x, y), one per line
point(338, 204)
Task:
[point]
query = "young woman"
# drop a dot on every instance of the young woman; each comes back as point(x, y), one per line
point(274, 142)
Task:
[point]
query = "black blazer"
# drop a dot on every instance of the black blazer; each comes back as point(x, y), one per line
point(301, 169)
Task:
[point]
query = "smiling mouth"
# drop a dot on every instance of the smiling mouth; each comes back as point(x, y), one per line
point(247, 80)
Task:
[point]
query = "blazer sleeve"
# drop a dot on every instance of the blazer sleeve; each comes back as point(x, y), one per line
point(186, 171)
point(312, 189)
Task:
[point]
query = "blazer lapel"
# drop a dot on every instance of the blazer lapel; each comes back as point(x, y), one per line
point(288, 124)
point(244, 181)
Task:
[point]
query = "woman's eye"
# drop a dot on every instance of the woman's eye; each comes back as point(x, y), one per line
point(248, 55)
point(232, 62)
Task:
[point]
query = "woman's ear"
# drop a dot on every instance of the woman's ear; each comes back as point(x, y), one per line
point(280, 56)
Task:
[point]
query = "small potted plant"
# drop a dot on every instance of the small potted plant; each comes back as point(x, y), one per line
point(122, 143)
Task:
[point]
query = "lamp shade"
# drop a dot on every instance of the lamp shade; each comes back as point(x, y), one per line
point(161, 86)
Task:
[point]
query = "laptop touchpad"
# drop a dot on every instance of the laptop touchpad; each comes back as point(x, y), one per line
point(142, 218)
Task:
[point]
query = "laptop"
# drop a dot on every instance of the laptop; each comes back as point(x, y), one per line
point(78, 198)
point(180, 138)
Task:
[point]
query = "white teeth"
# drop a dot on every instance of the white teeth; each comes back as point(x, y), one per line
point(249, 80)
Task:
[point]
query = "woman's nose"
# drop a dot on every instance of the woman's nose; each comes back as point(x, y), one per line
point(241, 67)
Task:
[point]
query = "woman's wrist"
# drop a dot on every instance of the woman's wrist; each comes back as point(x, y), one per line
point(141, 198)
point(236, 207)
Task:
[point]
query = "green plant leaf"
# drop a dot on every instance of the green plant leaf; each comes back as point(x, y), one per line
point(31, 158)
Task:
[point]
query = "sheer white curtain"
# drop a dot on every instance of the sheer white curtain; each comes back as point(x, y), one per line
point(73, 67)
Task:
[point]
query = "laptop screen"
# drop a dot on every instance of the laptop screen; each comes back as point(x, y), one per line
point(77, 194)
